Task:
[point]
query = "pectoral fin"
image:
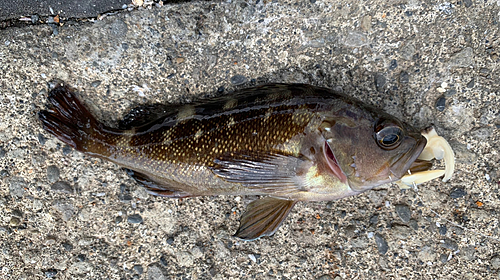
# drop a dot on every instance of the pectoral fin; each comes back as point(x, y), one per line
point(271, 173)
point(263, 217)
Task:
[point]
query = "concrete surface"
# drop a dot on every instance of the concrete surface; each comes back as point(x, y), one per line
point(67, 216)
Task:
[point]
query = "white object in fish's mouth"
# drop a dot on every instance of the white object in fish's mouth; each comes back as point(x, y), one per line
point(437, 148)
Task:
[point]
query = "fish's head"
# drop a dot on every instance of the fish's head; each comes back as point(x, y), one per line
point(366, 147)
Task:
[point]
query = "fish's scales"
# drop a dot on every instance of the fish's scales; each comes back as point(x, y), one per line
point(200, 141)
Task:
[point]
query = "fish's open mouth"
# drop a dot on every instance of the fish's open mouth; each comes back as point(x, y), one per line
point(333, 164)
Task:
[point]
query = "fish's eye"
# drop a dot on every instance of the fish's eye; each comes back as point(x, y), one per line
point(389, 137)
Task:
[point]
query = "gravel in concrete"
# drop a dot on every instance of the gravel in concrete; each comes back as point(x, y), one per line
point(401, 56)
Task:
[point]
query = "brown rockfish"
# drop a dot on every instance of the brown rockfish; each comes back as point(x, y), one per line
point(287, 142)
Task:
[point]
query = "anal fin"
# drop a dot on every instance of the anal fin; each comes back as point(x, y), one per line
point(263, 217)
point(155, 187)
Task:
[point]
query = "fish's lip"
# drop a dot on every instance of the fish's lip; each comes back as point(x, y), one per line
point(333, 164)
point(414, 152)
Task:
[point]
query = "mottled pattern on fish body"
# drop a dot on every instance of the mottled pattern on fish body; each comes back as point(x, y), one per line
point(292, 142)
point(181, 148)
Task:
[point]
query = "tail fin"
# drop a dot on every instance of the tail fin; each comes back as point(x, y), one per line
point(68, 119)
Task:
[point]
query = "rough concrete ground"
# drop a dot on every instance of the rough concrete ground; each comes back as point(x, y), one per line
point(68, 216)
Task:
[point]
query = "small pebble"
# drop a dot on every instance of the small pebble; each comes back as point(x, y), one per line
point(2, 152)
point(413, 224)
point(484, 71)
point(458, 192)
point(163, 260)
point(118, 220)
point(468, 253)
point(154, 272)
point(35, 19)
point(53, 173)
point(450, 92)
point(124, 197)
point(403, 212)
point(55, 31)
point(49, 241)
point(381, 244)
point(67, 150)
point(17, 186)
point(4, 173)
point(393, 65)
point(443, 258)
point(81, 257)
point(213, 271)
point(95, 83)
point(67, 246)
point(495, 262)
point(441, 104)
point(138, 269)
point(343, 214)
point(404, 78)
point(443, 230)
point(17, 213)
point(41, 139)
point(62, 186)
point(135, 219)
point(238, 79)
point(471, 83)
point(14, 222)
point(380, 82)
point(449, 244)
point(170, 240)
point(468, 3)
point(51, 273)
point(67, 209)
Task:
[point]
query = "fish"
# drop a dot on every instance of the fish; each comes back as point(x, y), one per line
point(286, 143)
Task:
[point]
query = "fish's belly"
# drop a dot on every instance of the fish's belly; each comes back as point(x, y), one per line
point(192, 180)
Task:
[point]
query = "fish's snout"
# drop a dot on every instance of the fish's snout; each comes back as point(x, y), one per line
point(415, 145)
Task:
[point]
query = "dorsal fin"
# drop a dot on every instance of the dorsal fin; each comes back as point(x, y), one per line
point(145, 114)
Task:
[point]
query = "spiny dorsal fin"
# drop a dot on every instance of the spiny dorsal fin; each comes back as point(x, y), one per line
point(263, 217)
point(145, 114)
